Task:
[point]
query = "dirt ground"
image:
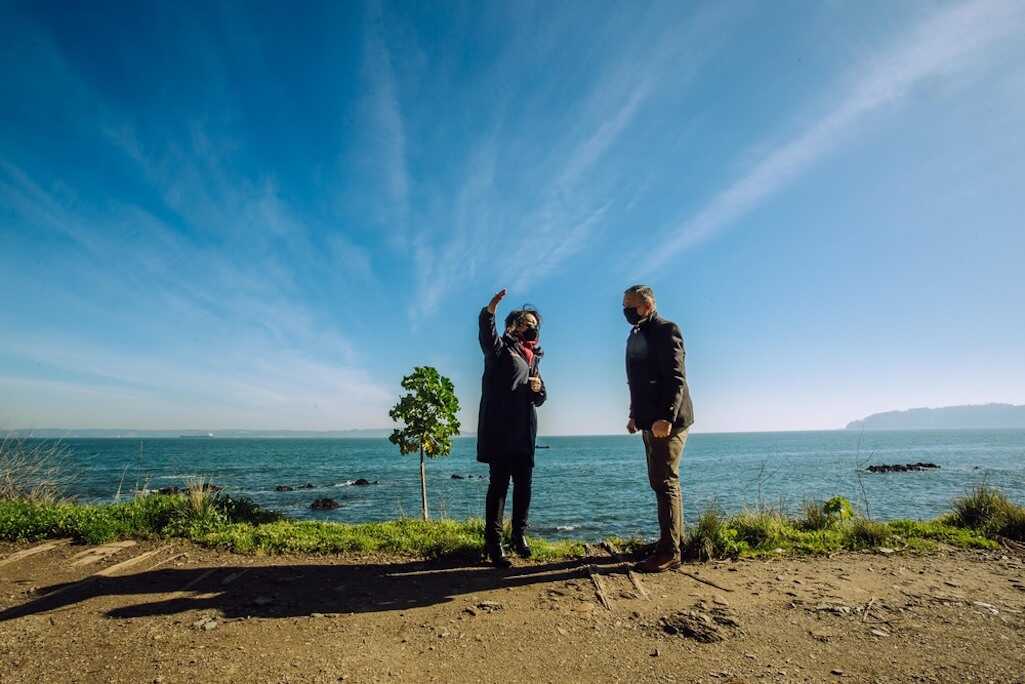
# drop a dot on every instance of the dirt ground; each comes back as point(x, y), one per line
point(184, 614)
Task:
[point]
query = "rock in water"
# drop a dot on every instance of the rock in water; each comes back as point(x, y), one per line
point(457, 477)
point(282, 488)
point(207, 487)
point(363, 483)
point(901, 468)
point(325, 504)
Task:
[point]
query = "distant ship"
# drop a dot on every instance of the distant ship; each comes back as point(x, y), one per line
point(208, 435)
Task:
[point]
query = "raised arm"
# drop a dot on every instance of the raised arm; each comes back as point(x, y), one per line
point(490, 340)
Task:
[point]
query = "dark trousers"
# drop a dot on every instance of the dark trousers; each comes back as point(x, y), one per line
point(494, 504)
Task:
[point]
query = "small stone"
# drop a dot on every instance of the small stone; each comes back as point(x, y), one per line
point(879, 633)
point(836, 671)
point(210, 624)
point(316, 615)
point(656, 653)
point(562, 631)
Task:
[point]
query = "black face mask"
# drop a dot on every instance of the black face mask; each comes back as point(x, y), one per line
point(529, 335)
point(631, 315)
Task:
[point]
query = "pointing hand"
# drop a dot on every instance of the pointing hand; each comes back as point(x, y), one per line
point(493, 304)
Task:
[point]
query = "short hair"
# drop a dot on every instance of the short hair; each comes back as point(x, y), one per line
point(516, 316)
point(644, 291)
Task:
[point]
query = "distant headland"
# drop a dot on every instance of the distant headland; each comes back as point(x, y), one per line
point(977, 417)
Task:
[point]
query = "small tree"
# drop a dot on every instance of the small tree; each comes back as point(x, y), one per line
point(428, 415)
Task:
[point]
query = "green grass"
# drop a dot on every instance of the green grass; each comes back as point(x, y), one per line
point(238, 525)
point(403, 537)
point(831, 527)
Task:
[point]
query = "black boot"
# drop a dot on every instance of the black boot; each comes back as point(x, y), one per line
point(496, 555)
point(520, 545)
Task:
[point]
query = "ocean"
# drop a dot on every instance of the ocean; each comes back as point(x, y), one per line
point(584, 487)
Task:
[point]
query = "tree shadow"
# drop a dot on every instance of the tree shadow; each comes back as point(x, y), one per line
point(285, 591)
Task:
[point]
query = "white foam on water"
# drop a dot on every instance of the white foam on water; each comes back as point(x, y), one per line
point(347, 483)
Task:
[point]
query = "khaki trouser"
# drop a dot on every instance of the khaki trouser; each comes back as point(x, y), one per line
point(663, 456)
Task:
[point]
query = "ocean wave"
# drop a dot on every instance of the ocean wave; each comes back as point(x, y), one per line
point(347, 483)
point(566, 528)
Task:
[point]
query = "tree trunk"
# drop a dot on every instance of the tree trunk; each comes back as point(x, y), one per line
point(423, 485)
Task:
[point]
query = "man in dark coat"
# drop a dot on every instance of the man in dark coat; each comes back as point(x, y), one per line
point(661, 409)
point(507, 424)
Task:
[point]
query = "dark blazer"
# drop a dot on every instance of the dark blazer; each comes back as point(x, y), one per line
point(656, 375)
point(507, 422)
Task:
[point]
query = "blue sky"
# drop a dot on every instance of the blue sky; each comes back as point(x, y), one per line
point(248, 215)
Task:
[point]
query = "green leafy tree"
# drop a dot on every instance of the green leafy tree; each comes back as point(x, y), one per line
point(427, 414)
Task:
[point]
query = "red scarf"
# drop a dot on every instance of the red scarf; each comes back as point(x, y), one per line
point(528, 351)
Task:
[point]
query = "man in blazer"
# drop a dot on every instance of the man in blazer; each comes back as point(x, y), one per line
point(661, 409)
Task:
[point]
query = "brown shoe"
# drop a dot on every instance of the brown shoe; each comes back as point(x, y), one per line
point(658, 562)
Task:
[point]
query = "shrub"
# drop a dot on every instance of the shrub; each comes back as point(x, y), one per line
point(39, 471)
point(838, 509)
point(861, 533)
point(815, 518)
point(825, 516)
point(237, 509)
point(763, 529)
point(1014, 524)
point(712, 537)
point(989, 511)
point(980, 509)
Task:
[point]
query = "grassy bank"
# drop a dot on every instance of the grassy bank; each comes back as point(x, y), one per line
point(236, 524)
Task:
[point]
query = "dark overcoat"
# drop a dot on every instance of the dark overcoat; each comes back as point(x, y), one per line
point(656, 374)
point(507, 422)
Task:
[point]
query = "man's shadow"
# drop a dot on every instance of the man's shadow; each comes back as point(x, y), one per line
point(283, 591)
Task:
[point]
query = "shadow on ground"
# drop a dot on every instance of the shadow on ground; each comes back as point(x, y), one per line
point(284, 591)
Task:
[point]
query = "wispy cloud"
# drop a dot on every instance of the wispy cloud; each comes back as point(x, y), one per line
point(384, 129)
point(222, 324)
point(565, 189)
point(942, 44)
